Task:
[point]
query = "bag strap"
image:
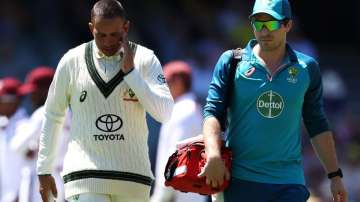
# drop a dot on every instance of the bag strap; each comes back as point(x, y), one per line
point(235, 59)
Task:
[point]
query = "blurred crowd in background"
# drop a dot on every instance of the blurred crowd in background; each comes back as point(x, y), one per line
point(37, 33)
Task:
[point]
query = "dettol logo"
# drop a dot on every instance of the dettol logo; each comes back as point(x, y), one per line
point(270, 104)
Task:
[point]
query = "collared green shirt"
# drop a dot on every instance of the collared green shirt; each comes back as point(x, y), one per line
point(265, 114)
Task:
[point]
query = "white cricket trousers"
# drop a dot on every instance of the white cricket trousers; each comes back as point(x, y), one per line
point(95, 197)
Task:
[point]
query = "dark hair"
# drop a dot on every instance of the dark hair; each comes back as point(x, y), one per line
point(285, 21)
point(108, 9)
point(186, 80)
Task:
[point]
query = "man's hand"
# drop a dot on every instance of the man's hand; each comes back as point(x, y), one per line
point(215, 172)
point(47, 185)
point(128, 58)
point(338, 190)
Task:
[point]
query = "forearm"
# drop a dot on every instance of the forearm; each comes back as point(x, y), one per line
point(156, 99)
point(324, 147)
point(48, 144)
point(212, 139)
point(55, 108)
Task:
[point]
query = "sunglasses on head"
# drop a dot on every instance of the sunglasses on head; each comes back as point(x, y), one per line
point(271, 25)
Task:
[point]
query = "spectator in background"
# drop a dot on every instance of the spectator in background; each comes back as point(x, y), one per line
point(185, 122)
point(334, 96)
point(27, 135)
point(11, 162)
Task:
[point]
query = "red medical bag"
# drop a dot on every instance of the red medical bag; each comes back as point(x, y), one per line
point(184, 165)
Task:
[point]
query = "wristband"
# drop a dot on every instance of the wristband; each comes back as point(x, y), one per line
point(335, 174)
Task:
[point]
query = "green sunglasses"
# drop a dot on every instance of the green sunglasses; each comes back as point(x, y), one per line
point(270, 25)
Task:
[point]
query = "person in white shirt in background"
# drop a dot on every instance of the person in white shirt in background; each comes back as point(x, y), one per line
point(11, 114)
point(185, 122)
point(109, 84)
point(26, 140)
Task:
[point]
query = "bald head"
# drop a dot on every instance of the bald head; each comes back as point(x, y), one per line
point(108, 9)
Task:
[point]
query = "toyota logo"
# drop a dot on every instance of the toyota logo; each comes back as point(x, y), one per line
point(109, 123)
